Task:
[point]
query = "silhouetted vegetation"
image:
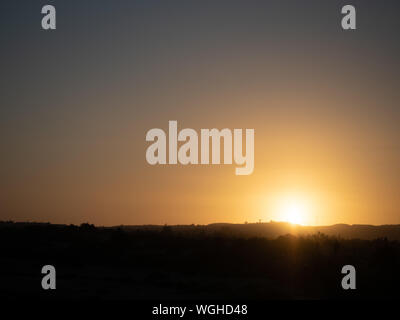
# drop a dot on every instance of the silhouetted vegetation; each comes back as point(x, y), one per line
point(170, 262)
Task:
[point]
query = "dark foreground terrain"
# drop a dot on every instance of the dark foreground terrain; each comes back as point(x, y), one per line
point(194, 262)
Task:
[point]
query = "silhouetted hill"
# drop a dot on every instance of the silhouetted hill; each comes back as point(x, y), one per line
point(268, 230)
point(249, 261)
point(272, 230)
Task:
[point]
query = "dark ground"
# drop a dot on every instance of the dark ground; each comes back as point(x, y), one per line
point(192, 262)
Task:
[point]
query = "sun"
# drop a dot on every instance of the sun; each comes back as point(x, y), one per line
point(293, 210)
point(295, 207)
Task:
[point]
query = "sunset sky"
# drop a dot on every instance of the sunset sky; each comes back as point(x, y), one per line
point(76, 104)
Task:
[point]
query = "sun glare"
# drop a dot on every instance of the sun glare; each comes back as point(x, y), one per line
point(294, 210)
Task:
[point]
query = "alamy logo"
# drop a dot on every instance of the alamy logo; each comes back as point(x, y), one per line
point(49, 20)
point(49, 280)
point(349, 20)
point(349, 280)
point(188, 152)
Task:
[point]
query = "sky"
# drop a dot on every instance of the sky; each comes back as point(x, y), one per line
point(76, 104)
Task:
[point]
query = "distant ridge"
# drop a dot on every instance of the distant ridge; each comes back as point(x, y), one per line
point(269, 230)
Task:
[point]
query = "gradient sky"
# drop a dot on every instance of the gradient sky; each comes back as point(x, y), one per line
point(76, 104)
